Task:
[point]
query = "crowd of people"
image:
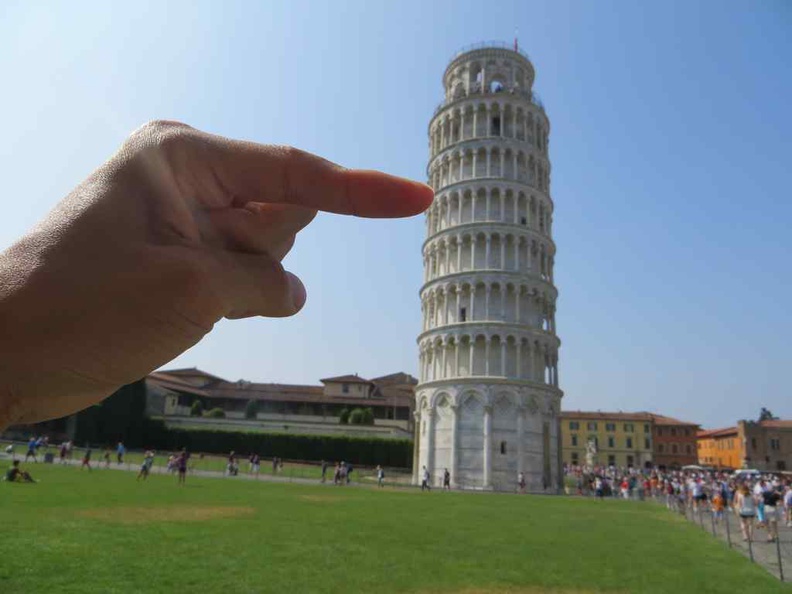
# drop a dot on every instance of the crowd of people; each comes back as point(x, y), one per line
point(760, 501)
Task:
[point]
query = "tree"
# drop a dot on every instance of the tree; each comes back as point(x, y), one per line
point(343, 417)
point(356, 416)
point(251, 409)
point(766, 415)
point(368, 416)
point(196, 408)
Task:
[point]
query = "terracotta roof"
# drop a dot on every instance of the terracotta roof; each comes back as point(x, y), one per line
point(347, 379)
point(710, 433)
point(189, 371)
point(399, 378)
point(624, 416)
point(664, 420)
point(171, 383)
point(605, 416)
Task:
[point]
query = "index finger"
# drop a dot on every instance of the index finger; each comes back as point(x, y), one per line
point(253, 172)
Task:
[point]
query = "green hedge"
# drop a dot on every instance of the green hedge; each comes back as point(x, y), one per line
point(364, 451)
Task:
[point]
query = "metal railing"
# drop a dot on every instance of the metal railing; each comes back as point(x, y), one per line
point(490, 45)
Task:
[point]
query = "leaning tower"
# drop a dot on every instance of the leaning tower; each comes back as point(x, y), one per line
point(488, 400)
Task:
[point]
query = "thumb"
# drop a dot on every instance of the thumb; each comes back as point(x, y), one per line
point(257, 285)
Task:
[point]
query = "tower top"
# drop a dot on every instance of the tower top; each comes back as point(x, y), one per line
point(489, 67)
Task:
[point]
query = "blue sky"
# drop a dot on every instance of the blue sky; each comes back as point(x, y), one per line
point(671, 144)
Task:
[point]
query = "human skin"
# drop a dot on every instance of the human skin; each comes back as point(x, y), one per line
point(177, 230)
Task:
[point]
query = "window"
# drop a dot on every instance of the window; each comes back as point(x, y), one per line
point(673, 430)
point(611, 460)
point(574, 425)
point(523, 221)
point(345, 388)
point(594, 439)
point(503, 447)
point(646, 427)
point(574, 458)
point(674, 448)
point(630, 461)
point(610, 427)
point(753, 443)
point(463, 314)
point(496, 126)
point(611, 442)
point(660, 448)
point(688, 449)
point(574, 440)
point(775, 444)
point(647, 443)
point(629, 428)
point(591, 426)
point(659, 430)
point(629, 443)
point(687, 432)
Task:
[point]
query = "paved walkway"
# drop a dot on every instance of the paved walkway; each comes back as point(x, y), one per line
point(767, 554)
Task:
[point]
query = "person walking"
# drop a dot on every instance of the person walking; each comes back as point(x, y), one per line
point(771, 498)
point(324, 471)
point(425, 482)
point(521, 481)
point(120, 451)
point(446, 480)
point(86, 461)
point(746, 508)
point(31, 451)
point(380, 476)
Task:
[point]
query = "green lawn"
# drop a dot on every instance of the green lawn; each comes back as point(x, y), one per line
point(104, 532)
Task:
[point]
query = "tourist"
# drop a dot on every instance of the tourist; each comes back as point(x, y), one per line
point(31, 451)
point(255, 464)
point(446, 480)
point(758, 492)
point(717, 506)
point(771, 498)
point(274, 465)
point(425, 482)
point(521, 481)
point(86, 460)
point(16, 475)
point(232, 468)
point(324, 471)
point(599, 488)
point(120, 451)
point(203, 221)
point(380, 476)
point(145, 467)
point(788, 505)
point(337, 474)
point(746, 508)
point(181, 464)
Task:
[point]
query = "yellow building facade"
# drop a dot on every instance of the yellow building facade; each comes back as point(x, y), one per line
point(621, 439)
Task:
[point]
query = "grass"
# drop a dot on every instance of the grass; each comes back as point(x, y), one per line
point(104, 532)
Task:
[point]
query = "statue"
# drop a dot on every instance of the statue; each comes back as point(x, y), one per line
point(591, 452)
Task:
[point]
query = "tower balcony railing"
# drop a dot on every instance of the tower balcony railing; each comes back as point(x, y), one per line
point(478, 90)
point(490, 45)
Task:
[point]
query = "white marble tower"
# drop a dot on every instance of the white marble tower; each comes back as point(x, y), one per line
point(488, 400)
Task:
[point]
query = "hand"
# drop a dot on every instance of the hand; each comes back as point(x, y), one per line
point(177, 230)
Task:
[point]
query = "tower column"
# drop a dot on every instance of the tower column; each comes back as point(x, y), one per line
point(487, 447)
point(454, 466)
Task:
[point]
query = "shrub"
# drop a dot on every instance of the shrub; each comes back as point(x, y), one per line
point(196, 409)
point(368, 416)
point(356, 416)
point(251, 409)
point(343, 417)
point(215, 413)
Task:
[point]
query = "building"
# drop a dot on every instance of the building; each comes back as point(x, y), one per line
point(768, 444)
point(674, 442)
point(624, 439)
point(285, 407)
point(763, 445)
point(720, 448)
point(488, 398)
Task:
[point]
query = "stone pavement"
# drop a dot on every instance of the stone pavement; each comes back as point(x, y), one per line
point(767, 554)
